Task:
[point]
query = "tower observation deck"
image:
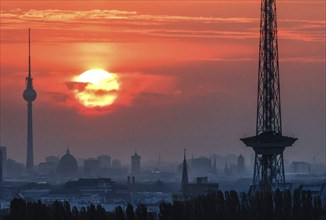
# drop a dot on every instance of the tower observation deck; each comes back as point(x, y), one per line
point(268, 143)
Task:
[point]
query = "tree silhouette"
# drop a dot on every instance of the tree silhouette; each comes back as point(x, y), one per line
point(165, 211)
point(130, 212)
point(213, 206)
point(141, 212)
point(119, 215)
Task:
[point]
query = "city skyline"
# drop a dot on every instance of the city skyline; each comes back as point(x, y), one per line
point(187, 77)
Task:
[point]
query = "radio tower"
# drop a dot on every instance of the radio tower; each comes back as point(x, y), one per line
point(269, 143)
point(29, 96)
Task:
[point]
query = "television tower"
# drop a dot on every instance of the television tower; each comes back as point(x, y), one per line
point(29, 96)
point(269, 143)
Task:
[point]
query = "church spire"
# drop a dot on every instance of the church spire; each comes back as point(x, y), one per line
point(184, 171)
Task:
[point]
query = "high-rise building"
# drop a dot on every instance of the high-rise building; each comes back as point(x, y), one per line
point(268, 143)
point(29, 95)
point(91, 167)
point(3, 150)
point(214, 168)
point(105, 161)
point(116, 164)
point(1, 168)
point(135, 164)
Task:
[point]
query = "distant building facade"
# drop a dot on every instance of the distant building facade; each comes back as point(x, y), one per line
point(52, 159)
point(116, 164)
point(49, 166)
point(135, 164)
point(46, 168)
point(105, 161)
point(200, 187)
point(201, 165)
point(91, 167)
point(300, 167)
point(14, 168)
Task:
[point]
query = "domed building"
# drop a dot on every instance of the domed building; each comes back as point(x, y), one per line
point(67, 166)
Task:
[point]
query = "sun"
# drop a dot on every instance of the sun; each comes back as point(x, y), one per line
point(96, 88)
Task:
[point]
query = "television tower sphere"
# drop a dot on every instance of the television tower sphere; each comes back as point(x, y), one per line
point(29, 94)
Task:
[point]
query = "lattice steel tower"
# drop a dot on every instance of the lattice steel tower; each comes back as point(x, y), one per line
point(269, 143)
point(29, 95)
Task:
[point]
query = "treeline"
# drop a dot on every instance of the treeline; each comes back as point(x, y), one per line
point(232, 206)
point(213, 206)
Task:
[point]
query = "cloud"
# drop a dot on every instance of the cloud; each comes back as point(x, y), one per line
point(119, 26)
point(57, 96)
point(304, 60)
point(132, 86)
point(76, 85)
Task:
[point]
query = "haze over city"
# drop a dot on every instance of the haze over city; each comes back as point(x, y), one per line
point(186, 76)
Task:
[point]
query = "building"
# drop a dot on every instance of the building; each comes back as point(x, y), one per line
point(52, 159)
point(135, 164)
point(300, 167)
point(105, 161)
point(201, 165)
point(184, 180)
point(116, 164)
point(3, 150)
point(15, 169)
point(90, 187)
point(241, 164)
point(214, 168)
point(318, 189)
point(190, 190)
point(67, 167)
point(48, 167)
point(91, 167)
point(200, 187)
point(1, 168)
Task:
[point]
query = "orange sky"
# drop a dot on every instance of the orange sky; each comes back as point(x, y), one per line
point(187, 71)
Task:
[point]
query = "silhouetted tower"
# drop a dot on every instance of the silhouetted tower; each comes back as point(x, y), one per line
point(1, 168)
point(214, 165)
point(269, 143)
point(184, 180)
point(29, 96)
point(135, 164)
point(240, 165)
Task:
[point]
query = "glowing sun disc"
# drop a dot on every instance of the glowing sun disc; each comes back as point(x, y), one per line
point(96, 88)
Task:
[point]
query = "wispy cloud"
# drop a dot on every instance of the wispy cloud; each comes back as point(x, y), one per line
point(116, 25)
